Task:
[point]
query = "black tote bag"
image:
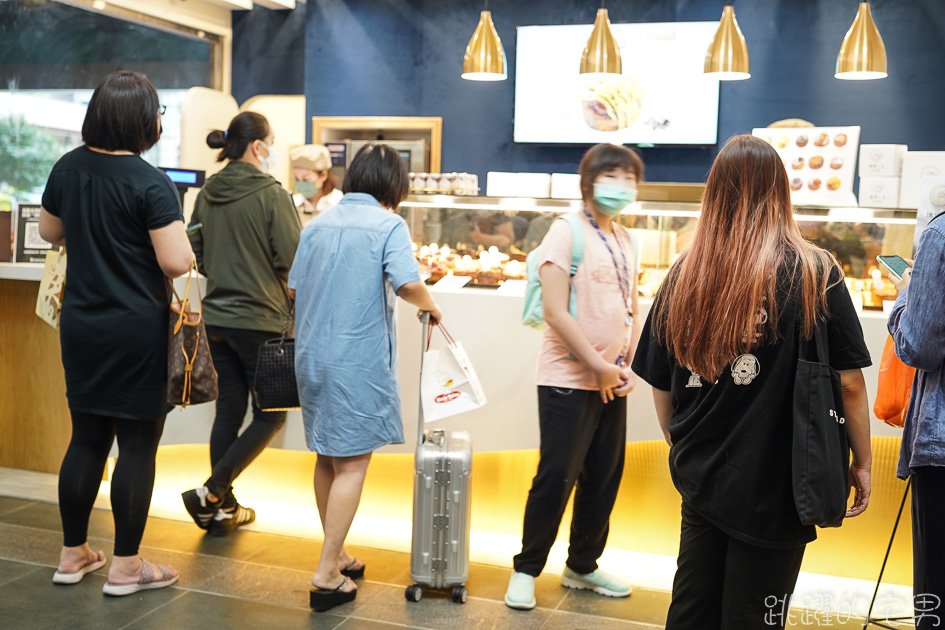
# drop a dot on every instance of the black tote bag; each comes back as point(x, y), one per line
point(274, 384)
point(821, 452)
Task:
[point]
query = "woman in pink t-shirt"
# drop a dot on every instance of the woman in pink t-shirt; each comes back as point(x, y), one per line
point(583, 378)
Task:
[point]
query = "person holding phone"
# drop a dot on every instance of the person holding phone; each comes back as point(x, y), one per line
point(246, 240)
point(917, 326)
point(720, 349)
point(583, 378)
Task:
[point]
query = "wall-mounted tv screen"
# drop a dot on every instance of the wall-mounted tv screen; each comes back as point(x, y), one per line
point(663, 97)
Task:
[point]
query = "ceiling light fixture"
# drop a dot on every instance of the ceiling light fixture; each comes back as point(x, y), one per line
point(727, 56)
point(862, 53)
point(485, 59)
point(602, 54)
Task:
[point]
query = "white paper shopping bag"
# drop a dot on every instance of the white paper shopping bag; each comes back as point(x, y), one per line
point(448, 382)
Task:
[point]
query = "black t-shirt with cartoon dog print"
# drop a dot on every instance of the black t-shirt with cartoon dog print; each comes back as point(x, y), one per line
point(731, 453)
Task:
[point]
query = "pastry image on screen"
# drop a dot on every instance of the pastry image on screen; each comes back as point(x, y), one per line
point(612, 104)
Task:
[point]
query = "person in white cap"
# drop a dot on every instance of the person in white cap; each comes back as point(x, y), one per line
point(315, 187)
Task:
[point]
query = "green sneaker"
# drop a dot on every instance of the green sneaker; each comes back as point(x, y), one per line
point(521, 592)
point(598, 581)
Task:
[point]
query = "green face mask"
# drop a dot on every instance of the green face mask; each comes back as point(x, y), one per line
point(307, 189)
point(611, 199)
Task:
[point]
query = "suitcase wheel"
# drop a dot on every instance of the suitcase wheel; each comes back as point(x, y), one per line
point(460, 594)
point(413, 593)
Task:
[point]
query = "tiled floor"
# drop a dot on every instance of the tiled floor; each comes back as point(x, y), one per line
point(259, 580)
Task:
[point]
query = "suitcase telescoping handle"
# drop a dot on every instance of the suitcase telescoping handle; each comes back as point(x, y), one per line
point(424, 344)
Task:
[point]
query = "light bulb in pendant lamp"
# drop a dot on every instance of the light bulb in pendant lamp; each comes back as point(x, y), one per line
point(602, 54)
point(727, 56)
point(485, 59)
point(862, 53)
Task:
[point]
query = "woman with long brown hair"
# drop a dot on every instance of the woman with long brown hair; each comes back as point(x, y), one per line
point(720, 348)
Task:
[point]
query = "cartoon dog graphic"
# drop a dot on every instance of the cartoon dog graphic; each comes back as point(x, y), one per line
point(745, 368)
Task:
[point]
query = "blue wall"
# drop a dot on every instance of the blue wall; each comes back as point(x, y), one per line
point(268, 52)
point(404, 58)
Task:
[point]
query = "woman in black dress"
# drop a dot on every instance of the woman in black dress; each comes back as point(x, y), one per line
point(121, 220)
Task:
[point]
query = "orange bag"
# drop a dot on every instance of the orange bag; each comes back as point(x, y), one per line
point(894, 387)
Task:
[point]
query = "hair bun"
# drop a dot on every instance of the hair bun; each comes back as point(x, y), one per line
point(216, 139)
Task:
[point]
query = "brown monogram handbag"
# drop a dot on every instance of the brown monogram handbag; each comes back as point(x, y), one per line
point(191, 377)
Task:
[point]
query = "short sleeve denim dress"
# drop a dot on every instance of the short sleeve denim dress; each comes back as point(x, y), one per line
point(351, 260)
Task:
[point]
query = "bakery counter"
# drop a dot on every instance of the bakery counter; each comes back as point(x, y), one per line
point(32, 272)
point(34, 419)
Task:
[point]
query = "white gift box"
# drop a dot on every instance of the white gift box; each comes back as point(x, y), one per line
point(565, 186)
point(881, 160)
point(915, 166)
point(879, 192)
point(500, 184)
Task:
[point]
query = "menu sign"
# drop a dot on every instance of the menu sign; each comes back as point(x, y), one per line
point(820, 162)
point(28, 245)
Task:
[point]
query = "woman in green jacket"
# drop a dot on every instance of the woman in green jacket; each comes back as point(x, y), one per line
point(248, 236)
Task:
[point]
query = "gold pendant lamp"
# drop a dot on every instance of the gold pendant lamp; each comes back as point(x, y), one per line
point(602, 54)
point(727, 56)
point(862, 53)
point(485, 59)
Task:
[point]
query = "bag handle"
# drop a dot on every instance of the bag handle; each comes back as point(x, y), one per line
point(185, 301)
point(427, 324)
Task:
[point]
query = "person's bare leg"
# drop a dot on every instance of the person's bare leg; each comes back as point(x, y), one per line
point(337, 514)
point(324, 475)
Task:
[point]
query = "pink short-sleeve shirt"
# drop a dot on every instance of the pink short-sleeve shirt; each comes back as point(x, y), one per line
point(602, 310)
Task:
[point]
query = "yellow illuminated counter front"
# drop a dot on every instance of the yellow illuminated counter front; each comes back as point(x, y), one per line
point(34, 430)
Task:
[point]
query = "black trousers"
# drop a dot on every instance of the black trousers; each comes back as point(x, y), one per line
point(132, 482)
point(583, 442)
point(234, 353)
point(928, 546)
point(723, 583)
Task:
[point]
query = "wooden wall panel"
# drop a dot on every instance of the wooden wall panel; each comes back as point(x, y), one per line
point(34, 416)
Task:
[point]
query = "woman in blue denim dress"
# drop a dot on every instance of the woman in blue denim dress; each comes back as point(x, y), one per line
point(352, 263)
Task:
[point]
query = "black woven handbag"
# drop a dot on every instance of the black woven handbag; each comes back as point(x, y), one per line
point(274, 384)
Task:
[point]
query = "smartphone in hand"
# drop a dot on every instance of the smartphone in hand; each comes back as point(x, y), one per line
point(894, 264)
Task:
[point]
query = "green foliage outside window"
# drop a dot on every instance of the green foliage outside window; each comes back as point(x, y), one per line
point(27, 154)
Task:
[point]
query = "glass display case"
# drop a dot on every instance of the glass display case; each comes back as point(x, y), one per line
point(487, 238)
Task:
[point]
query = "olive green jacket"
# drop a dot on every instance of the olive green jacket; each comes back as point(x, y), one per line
point(245, 247)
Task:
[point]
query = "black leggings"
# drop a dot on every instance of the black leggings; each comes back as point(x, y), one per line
point(132, 483)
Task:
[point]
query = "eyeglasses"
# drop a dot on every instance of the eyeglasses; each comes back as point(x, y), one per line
point(162, 109)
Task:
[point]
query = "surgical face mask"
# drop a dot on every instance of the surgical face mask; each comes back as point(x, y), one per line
point(307, 189)
point(267, 163)
point(611, 198)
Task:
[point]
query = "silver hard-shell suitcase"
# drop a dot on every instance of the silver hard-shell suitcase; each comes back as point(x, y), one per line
point(439, 551)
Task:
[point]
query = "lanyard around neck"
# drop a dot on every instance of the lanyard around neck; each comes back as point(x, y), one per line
point(623, 280)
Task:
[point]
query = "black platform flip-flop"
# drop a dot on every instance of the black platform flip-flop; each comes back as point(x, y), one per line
point(321, 600)
point(352, 572)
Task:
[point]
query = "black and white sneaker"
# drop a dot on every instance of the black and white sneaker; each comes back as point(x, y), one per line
point(200, 508)
point(225, 523)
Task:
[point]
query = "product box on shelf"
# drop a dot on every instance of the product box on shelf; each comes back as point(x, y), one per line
point(931, 203)
point(881, 160)
point(879, 192)
point(915, 166)
point(565, 186)
point(518, 184)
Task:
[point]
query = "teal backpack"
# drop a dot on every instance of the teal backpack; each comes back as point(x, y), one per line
point(533, 315)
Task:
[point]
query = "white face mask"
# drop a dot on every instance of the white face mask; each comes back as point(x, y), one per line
point(269, 162)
